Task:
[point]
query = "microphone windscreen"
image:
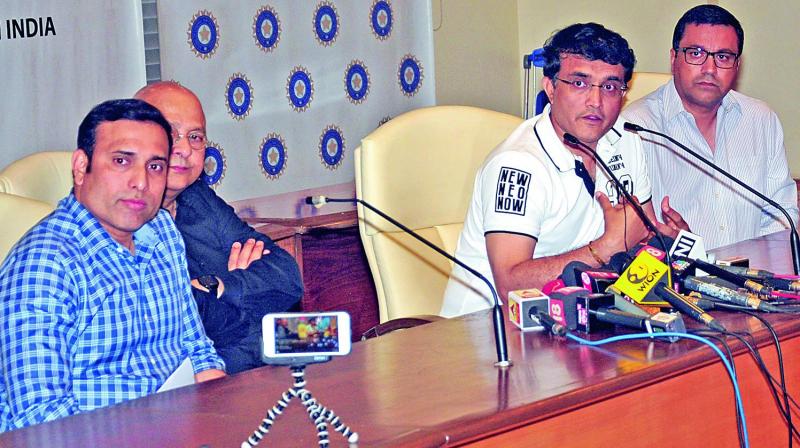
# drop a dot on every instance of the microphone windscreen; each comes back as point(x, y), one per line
point(630, 127)
point(656, 242)
point(620, 261)
point(571, 275)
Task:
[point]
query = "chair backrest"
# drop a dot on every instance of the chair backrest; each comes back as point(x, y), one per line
point(19, 215)
point(44, 176)
point(419, 168)
point(644, 83)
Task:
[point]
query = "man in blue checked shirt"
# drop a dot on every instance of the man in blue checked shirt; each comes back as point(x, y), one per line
point(95, 300)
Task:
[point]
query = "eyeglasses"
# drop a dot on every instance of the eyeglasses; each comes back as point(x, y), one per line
point(196, 139)
point(610, 89)
point(698, 56)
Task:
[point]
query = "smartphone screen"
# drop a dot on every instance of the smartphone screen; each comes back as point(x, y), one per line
point(306, 334)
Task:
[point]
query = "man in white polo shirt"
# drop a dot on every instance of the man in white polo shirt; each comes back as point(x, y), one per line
point(539, 203)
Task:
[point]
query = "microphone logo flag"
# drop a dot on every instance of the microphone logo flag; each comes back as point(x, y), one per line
point(688, 245)
point(639, 279)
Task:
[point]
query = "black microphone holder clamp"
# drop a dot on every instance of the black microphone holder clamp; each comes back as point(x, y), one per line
point(794, 239)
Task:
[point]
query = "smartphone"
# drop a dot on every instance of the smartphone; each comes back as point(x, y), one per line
point(305, 335)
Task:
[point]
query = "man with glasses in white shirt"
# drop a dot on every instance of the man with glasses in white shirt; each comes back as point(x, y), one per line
point(737, 133)
point(539, 203)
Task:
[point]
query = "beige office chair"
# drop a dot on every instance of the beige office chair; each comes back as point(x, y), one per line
point(44, 176)
point(420, 168)
point(643, 83)
point(19, 215)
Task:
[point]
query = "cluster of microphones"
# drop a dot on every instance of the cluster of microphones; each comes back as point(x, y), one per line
point(640, 289)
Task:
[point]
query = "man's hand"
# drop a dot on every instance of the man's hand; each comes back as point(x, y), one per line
point(243, 254)
point(220, 288)
point(207, 375)
point(623, 227)
point(673, 221)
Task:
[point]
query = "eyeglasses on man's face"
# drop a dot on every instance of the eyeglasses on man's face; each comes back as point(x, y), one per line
point(197, 139)
point(698, 56)
point(610, 88)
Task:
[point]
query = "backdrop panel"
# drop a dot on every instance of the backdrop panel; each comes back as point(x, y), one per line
point(290, 87)
point(59, 59)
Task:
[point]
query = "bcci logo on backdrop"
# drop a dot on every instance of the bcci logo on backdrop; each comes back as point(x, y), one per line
point(266, 29)
point(381, 19)
point(272, 156)
point(410, 75)
point(356, 82)
point(203, 34)
point(299, 89)
point(213, 165)
point(239, 96)
point(326, 23)
point(331, 147)
point(512, 191)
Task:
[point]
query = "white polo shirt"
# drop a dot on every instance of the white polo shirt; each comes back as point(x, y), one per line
point(528, 186)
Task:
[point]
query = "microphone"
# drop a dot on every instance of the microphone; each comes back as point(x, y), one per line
point(727, 294)
point(316, 201)
point(687, 307)
point(737, 280)
point(580, 310)
point(572, 140)
point(498, 322)
point(656, 323)
point(547, 322)
point(793, 238)
point(766, 276)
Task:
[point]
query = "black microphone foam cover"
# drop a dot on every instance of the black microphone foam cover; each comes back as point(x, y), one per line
point(571, 275)
point(656, 242)
point(620, 261)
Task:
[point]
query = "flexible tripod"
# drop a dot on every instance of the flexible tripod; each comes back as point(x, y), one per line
point(319, 414)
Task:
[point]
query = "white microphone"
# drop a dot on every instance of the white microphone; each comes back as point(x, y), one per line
point(316, 201)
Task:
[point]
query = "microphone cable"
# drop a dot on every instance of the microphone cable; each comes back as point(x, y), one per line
point(731, 373)
point(779, 356)
point(714, 335)
point(783, 405)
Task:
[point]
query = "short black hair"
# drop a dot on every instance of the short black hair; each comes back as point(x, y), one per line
point(707, 15)
point(113, 110)
point(591, 41)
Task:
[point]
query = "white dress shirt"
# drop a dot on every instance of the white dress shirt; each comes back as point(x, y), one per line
point(749, 145)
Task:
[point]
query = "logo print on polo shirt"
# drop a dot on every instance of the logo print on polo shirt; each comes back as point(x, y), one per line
point(613, 192)
point(512, 191)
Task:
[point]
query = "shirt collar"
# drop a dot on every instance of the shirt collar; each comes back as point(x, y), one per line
point(95, 235)
point(673, 106)
point(562, 158)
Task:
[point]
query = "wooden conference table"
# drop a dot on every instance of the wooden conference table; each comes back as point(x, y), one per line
point(435, 385)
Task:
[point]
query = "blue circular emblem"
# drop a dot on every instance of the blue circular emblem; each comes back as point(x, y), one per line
point(239, 96)
point(331, 147)
point(326, 23)
point(381, 19)
point(410, 75)
point(300, 89)
point(213, 165)
point(203, 34)
point(356, 82)
point(267, 28)
point(273, 156)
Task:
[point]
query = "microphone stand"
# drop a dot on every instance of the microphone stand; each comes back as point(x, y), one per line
point(794, 239)
point(572, 140)
point(498, 321)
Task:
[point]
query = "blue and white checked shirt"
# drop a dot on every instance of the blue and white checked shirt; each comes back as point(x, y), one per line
point(749, 145)
point(85, 324)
